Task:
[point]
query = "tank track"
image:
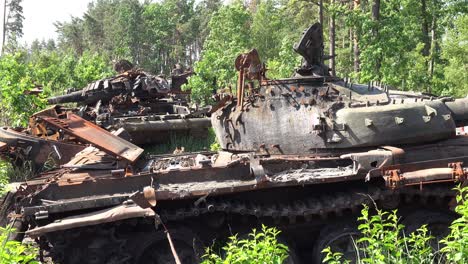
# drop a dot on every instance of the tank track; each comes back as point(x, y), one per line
point(92, 244)
point(321, 205)
point(105, 245)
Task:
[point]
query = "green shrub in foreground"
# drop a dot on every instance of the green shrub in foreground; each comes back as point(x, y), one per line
point(12, 252)
point(260, 247)
point(383, 240)
point(456, 243)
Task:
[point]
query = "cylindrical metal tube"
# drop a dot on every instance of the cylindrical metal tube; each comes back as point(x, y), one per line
point(433, 174)
point(176, 124)
point(66, 98)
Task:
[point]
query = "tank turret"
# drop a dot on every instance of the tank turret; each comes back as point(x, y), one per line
point(133, 82)
point(313, 112)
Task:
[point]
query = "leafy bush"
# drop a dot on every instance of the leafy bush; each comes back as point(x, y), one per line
point(260, 247)
point(229, 31)
point(12, 252)
point(3, 177)
point(456, 243)
point(54, 71)
point(15, 80)
point(383, 240)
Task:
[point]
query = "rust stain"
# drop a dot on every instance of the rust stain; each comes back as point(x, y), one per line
point(93, 134)
point(3, 146)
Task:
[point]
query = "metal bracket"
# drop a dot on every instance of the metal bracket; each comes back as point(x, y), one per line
point(399, 120)
point(459, 174)
point(256, 169)
point(394, 178)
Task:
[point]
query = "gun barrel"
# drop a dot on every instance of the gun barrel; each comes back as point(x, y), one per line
point(67, 98)
point(84, 99)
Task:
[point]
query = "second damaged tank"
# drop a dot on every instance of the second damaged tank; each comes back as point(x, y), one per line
point(149, 107)
point(306, 167)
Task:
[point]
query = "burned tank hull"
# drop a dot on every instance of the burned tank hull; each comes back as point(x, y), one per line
point(302, 154)
point(21, 147)
point(203, 197)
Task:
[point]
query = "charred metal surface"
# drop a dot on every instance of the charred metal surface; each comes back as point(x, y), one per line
point(91, 183)
point(22, 147)
point(103, 216)
point(143, 103)
point(133, 82)
point(426, 172)
point(93, 134)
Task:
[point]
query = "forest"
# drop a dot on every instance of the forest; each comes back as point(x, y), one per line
point(408, 44)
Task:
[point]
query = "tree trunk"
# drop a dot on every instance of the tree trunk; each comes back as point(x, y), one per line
point(4, 26)
point(376, 18)
point(350, 43)
point(357, 62)
point(321, 12)
point(332, 37)
point(425, 29)
point(433, 45)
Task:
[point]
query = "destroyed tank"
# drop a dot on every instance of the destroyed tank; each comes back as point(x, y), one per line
point(149, 107)
point(315, 113)
point(321, 147)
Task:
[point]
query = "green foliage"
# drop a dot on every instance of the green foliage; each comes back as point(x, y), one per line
point(229, 36)
point(53, 71)
point(4, 179)
point(190, 143)
point(403, 48)
point(14, 252)
point(455, 52)
point(286, 61)
point(57, 71)
point(15, 80)
point(21, 171)
point(236, 29)
point(383, 240)
point(260, 247)
point(456, 243)
point(154, 35)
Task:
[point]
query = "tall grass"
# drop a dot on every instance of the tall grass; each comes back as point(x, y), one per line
point(189, 143)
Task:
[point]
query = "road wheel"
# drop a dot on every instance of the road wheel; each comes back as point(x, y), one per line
point(340, 237)
point(156, 248)
point(437, 223)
